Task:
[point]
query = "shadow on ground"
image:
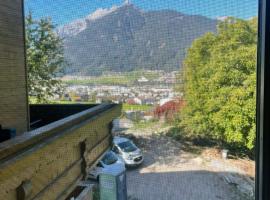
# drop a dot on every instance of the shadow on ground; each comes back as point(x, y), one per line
point(187, 185)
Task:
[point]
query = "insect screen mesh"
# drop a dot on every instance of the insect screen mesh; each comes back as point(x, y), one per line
point(185, 72)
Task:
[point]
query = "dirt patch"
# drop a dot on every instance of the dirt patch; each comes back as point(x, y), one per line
point(247, 166)
point(174, 170)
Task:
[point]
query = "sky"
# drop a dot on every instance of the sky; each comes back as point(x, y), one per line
point(65, 11)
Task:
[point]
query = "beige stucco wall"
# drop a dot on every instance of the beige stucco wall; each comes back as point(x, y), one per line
point(13, 95)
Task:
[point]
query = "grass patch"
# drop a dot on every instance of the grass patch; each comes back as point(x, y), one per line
point(127, 107)
point(33, 100)
point(100, 80)
point(127, 78)
point(70, 102)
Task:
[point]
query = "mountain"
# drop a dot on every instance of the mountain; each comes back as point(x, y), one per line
point(126, 38)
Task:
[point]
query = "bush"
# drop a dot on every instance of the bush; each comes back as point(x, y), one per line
point(219, 76)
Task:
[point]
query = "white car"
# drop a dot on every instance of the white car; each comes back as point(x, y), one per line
point(109, 160)
point(127, 151)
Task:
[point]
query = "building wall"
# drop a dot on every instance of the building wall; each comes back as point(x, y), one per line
point(13, 95)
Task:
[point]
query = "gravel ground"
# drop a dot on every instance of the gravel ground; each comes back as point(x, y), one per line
point(170, 173)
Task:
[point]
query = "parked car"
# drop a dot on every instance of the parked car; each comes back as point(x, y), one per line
point(127, 151)
point(109, 160)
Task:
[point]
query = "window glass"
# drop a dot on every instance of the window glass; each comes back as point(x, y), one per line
point(109, 158)
point(127, 146)
point(115, 149)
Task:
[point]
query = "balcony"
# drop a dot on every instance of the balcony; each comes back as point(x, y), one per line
point(65, 141)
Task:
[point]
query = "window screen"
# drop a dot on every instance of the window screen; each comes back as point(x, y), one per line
point(184, 72)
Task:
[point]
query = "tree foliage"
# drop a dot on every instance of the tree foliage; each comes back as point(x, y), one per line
point(220, 83)
point(45, 58)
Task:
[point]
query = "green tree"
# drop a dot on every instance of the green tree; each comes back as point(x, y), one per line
point(219, 85)
point(45, 58)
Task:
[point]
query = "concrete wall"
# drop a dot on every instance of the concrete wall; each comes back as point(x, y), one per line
point(13, 97)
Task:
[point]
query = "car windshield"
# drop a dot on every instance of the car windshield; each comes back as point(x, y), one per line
point(109, 158)
point(127, 146)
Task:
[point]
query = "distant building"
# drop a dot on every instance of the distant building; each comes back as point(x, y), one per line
point(143, 80)
point(130, 101)
point(148, 101)
point(85, 97)
point(137, 100)
point(164, 101)
point(66, 97)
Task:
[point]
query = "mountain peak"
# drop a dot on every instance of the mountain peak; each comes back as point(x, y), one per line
point(72, 29)
point(77, 26)
point(127, 2)
point(101, 12)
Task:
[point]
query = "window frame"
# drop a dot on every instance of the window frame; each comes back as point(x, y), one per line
point(262, 190)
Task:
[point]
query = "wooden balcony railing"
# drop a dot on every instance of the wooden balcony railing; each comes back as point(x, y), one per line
point(48, 162)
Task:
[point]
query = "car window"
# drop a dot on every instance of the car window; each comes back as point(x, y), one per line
point(115, 149)
point(99, 165)
point(127, 146)
point(109, 158)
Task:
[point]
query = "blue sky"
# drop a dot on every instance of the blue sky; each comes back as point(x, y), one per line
point(64, 11)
